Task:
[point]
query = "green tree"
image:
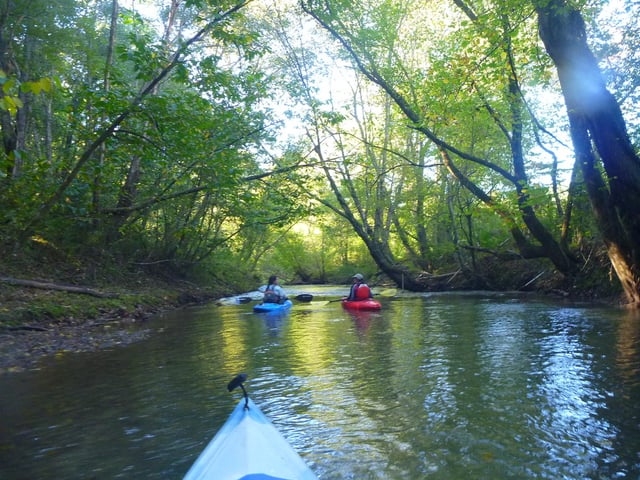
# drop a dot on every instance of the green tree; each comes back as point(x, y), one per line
point(467, 77)
point(150, 148)
point(609, 163)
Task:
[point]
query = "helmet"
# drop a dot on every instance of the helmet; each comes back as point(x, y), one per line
point(358, 276)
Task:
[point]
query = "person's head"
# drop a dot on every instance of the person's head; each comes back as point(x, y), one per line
point(273, 279)
point(358, 278)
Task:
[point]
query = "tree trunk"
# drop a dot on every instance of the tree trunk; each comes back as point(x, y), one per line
point(128, 194)
point(97, 181)
point(354, 212)
point(596, 119)
point(8, 127)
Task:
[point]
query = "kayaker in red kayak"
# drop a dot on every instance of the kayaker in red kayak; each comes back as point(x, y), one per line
point(359, 290)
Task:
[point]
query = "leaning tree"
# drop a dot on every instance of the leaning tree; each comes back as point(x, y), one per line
point(609, 163)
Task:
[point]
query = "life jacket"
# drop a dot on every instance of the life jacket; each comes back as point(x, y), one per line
point(363, 292)
point(270, 296)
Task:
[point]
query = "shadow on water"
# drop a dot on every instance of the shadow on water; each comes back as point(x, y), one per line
point(444, 386)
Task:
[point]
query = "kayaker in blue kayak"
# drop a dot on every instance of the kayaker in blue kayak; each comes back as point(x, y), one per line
point(359, 289)
point(274, 293)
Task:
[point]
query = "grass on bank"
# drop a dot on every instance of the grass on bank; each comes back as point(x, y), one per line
point(21, 306)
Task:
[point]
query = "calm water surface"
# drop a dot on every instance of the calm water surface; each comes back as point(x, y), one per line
point(441, 387)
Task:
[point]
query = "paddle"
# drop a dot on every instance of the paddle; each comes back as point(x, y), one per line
point(310, 304)
point(304, 297)
point(238, 381)
point(389, 292)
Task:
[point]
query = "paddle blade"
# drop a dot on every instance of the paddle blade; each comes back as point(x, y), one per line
point(304, 297)
point(237, 381)
point(389, 292)
point(309, 305)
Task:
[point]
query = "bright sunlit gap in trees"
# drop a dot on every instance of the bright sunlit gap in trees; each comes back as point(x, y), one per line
point(334, 82)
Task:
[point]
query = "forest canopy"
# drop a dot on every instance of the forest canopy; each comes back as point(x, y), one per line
point(410, 139)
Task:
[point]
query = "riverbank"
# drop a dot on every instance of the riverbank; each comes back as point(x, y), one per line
point(51, 306)
point(37, 322)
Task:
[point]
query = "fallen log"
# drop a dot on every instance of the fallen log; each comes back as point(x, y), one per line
point(29, 328)
point(56, 286)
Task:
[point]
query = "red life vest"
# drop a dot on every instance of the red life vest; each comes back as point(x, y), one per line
point(363, 292)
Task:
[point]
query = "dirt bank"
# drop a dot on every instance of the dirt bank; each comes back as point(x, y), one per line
point(22, 348)
point(36, 323)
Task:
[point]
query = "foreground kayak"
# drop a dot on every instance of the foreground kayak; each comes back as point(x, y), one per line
point(248, 447)
point(368, 304)
point(273, 307)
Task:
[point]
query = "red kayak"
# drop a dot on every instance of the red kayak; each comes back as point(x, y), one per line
point(368, 304)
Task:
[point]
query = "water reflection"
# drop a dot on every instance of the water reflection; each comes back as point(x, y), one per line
point(273, 321)
point(628, 347)
point(362, 320)
point(443, 387)
point(568, 388)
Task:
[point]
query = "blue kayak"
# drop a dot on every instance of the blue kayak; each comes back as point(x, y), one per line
point(273, 307)
point(249, 447)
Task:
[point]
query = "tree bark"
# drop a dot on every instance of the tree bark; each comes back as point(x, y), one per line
point(8, 127)
point(596, 122)
point(97, 181)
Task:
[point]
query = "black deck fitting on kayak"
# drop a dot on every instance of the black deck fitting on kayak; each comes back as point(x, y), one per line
point(238, 382)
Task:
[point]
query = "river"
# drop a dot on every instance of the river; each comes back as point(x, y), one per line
point(438, 386)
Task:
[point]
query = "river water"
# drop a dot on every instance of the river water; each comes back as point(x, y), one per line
point(447, 386)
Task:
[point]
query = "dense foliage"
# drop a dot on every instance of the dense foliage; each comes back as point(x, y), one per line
point(142, 147)
point(227, 139)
